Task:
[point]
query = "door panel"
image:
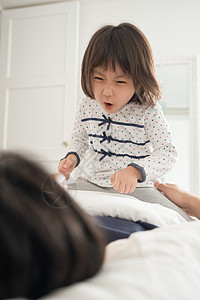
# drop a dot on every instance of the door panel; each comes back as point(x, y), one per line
point(38, 79)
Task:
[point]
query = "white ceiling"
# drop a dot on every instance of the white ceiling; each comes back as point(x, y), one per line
point(6, 4)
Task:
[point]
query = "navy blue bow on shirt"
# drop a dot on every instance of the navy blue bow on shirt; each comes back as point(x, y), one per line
point(106, 120)
point(105, 153)
point(106, 138)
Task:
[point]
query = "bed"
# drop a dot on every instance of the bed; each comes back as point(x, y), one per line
point(159, 264)
point(163, 263)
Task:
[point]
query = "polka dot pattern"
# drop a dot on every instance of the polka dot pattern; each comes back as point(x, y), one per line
point(123, 141)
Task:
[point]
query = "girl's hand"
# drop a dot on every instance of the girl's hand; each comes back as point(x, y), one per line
point(125, 180)
point(67, 165)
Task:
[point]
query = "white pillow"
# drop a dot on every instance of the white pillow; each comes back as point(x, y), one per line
point(126, 207)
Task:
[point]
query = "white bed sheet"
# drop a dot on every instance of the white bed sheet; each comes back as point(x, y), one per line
point(126, 207)
point(163, 263)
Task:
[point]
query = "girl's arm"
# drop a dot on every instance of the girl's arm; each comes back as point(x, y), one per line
point(78, 143)
point(164, 153)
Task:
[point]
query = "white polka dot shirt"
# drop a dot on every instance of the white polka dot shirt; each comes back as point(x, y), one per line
point(136, 134)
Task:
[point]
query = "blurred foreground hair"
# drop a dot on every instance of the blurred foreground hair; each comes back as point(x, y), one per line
point(46, 240)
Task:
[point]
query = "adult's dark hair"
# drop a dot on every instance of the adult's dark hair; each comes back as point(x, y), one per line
point(46, 240)
point(127, 46)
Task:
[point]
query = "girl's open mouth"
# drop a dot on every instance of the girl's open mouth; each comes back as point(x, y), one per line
point(108, 105)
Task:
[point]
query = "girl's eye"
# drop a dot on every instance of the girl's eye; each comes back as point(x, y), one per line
point(121, 81)
point(98, 78)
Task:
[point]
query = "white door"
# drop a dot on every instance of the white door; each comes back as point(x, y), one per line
point(38, 79)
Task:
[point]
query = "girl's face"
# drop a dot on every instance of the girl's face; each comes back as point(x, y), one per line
point(112, 89)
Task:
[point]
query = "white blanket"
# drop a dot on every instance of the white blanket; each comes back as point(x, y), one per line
point(160, 264)
point(126, 207)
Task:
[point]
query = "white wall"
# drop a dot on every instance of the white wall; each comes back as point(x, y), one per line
point(171, 26)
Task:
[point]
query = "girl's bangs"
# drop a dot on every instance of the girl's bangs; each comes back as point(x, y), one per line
point(109, 59)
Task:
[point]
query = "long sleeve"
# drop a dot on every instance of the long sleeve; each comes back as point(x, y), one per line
point(78, 143)
point(164, 153)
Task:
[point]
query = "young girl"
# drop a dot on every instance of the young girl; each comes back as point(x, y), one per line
point(120, 122)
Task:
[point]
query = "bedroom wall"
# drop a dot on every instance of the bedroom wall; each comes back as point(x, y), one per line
point(172, 27)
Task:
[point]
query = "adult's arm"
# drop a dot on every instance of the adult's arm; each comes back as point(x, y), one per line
point(183, 199)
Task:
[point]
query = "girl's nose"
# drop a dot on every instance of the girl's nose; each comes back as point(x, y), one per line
point(107, 91)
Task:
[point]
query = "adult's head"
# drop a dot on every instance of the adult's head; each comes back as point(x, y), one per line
point(46, 240)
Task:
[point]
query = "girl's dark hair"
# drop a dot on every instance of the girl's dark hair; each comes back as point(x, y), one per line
point(127, 46)
point(46, 240)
